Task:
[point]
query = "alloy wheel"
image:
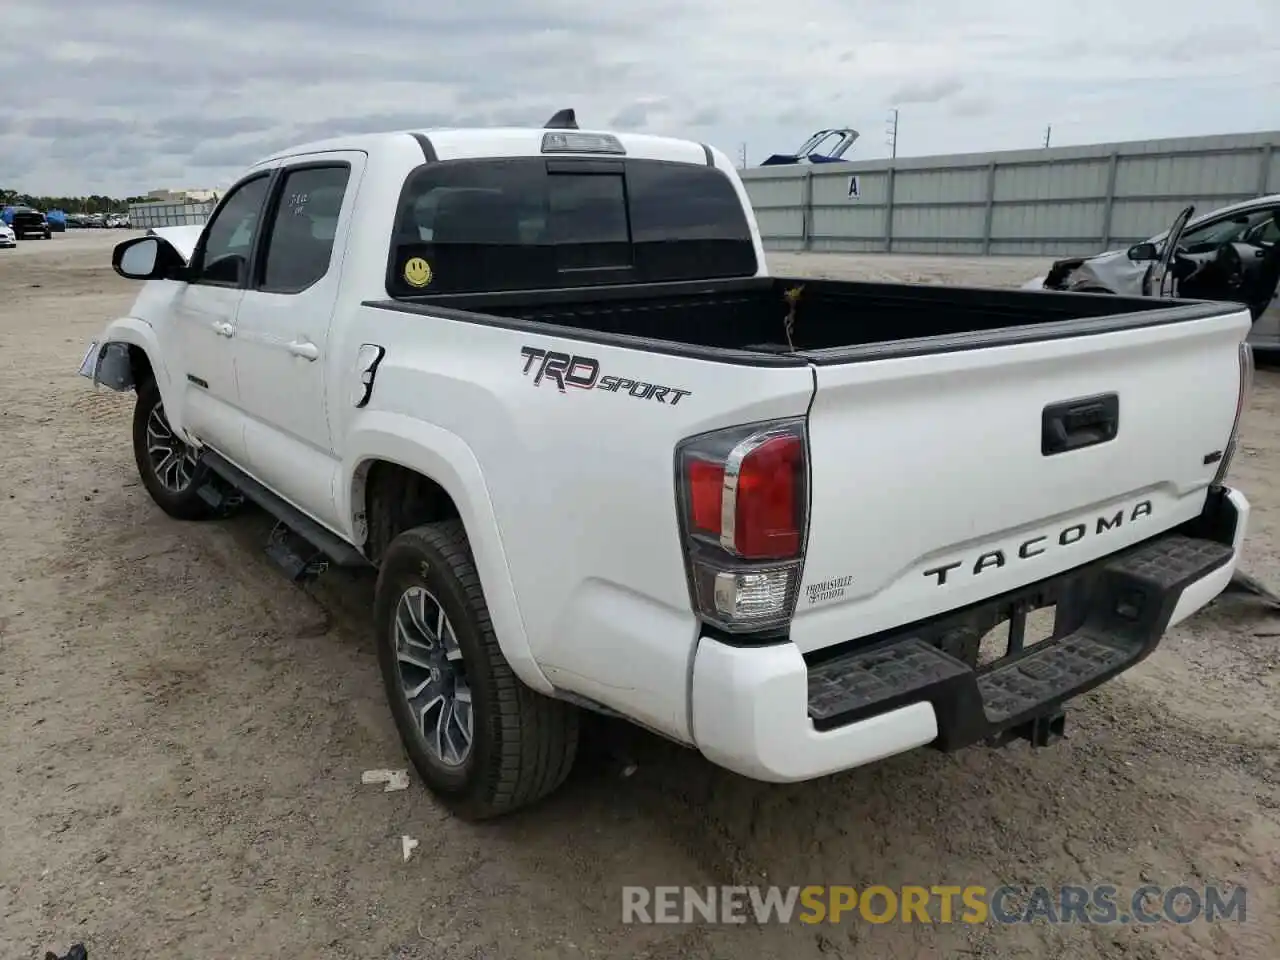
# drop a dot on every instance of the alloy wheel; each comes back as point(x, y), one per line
point(172, 459)
point(433, 677)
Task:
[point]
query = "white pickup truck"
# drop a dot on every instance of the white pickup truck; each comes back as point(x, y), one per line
point(541, 379)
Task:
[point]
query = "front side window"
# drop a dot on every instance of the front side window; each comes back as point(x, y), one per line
point(228, 240)
point(1233, 229)
point(1266, 232)
point(299, 245)
point(533, 223)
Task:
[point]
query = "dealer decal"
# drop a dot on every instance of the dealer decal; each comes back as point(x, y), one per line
point(574, 370)
point(832, 589)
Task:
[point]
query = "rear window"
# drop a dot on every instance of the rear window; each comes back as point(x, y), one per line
point(539, 223)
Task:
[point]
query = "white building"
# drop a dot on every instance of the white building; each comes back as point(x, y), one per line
point(181, 196)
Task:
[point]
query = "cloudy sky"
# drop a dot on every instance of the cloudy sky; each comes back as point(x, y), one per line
point(122, 96)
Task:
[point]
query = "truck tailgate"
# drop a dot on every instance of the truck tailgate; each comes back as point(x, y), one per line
point(937, 480)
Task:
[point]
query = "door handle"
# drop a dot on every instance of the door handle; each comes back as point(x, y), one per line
point(1073, 424)
point(304, 349)
point(223, 329)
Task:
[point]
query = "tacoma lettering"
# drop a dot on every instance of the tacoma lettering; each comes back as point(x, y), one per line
point(1034, 546)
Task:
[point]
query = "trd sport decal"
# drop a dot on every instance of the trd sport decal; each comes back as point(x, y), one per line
point(575, 370)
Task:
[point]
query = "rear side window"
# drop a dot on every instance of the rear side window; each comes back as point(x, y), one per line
point(537, 223)
point(305, 221)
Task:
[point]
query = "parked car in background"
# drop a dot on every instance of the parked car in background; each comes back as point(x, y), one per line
point(57, 220)
point(7, 237)
point(1231, 254)
point(27, 222)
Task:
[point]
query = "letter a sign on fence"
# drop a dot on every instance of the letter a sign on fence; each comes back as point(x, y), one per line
point(855, 189)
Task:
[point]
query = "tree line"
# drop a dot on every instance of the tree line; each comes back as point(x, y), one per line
point(95, 203)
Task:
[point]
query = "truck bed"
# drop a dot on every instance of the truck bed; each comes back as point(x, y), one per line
point(834, 320)
point(1011, 436)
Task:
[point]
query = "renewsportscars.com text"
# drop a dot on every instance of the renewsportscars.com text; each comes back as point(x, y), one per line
point(1098, 904)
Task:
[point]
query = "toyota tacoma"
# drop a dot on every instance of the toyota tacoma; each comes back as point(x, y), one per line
point(542, 380)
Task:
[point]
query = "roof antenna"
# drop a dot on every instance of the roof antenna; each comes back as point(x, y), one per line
point(563, 120)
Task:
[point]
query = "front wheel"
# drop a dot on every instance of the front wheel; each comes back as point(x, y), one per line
point(483, 742)
point(169, 468)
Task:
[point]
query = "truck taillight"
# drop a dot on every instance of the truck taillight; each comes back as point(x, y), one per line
point(1242, 401)
point(744, 505)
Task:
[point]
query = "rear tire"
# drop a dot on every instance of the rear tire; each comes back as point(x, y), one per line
point(482, 741)
point(169, 469)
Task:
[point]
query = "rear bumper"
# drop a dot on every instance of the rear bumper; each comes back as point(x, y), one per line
point(767, 713)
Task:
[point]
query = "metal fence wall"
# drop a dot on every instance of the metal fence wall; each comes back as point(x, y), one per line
point(168, 214)
point(1060, 201)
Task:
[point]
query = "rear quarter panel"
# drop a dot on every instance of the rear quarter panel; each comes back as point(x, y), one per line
point(579, 485)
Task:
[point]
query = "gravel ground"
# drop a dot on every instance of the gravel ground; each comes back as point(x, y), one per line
point(184, 735)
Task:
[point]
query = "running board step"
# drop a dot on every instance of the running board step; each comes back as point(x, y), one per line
point(336, 549)
point(298, 558)
point(221, 495)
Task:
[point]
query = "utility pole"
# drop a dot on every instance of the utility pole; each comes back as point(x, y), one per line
point(1048, 131)
point(742, 156)
point(892, 131)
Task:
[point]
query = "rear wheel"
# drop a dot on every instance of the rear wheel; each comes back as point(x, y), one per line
point(170, 469)
point(482, 741)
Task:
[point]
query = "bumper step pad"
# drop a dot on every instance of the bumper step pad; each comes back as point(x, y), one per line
point(861, 680)
point(1045, 674)
point(1114, 613)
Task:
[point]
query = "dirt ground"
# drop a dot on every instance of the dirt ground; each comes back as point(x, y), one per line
point(184, 734)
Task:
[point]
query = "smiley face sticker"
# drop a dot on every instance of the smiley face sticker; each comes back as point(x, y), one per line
point(417, 272)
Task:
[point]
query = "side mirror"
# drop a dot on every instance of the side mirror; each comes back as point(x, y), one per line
point(1141, 252)
point(147, 258)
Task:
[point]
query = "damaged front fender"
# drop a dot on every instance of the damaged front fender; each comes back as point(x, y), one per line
point(1110, 272)
point(127, 352)
point(109, 364)
point(1060, 272)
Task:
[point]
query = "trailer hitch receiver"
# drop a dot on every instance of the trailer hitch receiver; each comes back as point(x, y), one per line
point(1042, 731)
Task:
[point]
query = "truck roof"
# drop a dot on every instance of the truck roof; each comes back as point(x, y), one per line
point(453, 143)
